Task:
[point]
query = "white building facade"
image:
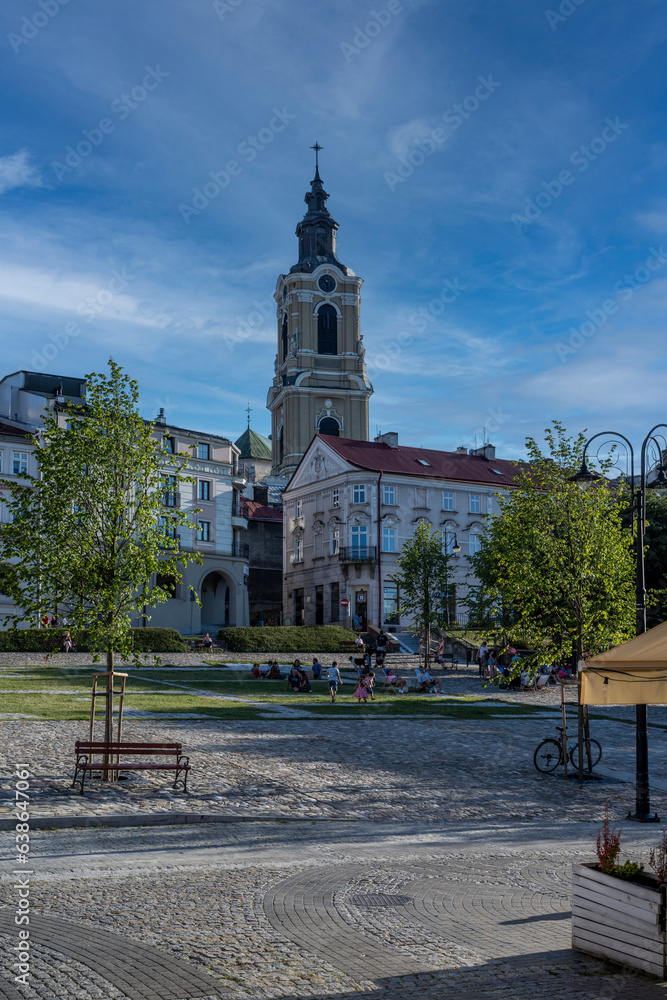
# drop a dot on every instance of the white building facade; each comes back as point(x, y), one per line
point(350, 507)
point(222, 580)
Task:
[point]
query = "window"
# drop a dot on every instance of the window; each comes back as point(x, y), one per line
point(204, 531)
point(283, 338)
point(298, 508)
point(327, 330)
point(334, 499)
point(329, 426)
point(390, 614)
point(204, 451)
point(334, 597)
point(474, 544)
point(0, 461)
point(335, 541)
point(319, 605)
point(422, 461)
point(281, 443)
point(204, 489)
point(359, 494)
point(475, 503)
point(20, 463)
point(359, 540)
point(168, 526)
point(447, 500)
point(388, 539)
point(298, 550)
point(389, 495)
point(170, 445)
point(171, 495)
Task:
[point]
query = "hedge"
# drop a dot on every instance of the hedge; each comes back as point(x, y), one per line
point(288, 639)
point(33, 640)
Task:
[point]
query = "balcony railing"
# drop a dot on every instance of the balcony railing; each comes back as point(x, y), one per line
point(358, 554)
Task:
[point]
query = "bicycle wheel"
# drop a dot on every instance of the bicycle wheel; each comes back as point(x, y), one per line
point(596, 754)
point(548, 756)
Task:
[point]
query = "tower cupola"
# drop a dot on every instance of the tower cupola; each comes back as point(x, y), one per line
point(317, 229)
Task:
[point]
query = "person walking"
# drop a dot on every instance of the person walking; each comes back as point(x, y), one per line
point(361, 691)
point(334, 680)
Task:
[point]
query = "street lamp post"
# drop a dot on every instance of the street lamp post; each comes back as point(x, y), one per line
point(642, 813)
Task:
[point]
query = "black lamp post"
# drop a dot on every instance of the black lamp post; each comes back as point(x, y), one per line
point(642, 813)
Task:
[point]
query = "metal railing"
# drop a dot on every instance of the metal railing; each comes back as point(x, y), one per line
point(358, 554)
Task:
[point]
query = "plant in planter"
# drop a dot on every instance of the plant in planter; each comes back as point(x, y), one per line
point(658, 861)
point(618, 910)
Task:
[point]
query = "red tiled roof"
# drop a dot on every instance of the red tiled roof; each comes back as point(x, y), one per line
point(256, 511)
point(405, 461)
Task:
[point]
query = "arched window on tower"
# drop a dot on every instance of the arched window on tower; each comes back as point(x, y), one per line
point(327, 330)
point(283, 338)
point(281, 444)
point(329, 426)
point(321, 235)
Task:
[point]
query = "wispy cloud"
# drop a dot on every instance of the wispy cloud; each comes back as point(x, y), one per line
point(16, 171)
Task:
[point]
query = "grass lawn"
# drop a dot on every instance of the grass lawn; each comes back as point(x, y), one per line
point(63, 693)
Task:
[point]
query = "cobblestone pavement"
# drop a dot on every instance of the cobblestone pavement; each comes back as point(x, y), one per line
point(372, 911)
point(430, 860)
point(330, 768)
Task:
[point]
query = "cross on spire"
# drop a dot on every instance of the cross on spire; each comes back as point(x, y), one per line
point(317, 149)
point(248, 411)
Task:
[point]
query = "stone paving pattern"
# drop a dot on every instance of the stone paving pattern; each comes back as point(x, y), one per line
point(266, 911)
point(449, 813)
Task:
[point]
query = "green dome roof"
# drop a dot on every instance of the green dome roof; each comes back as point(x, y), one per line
point(253, 445)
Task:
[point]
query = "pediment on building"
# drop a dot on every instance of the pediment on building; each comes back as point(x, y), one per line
point(317, 465)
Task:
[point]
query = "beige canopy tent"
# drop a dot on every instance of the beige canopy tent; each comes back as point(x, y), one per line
point(634, 673)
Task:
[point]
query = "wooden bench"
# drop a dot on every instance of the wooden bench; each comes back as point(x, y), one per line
point(86, 749)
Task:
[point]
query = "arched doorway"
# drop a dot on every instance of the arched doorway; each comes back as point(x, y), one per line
point(217, 602)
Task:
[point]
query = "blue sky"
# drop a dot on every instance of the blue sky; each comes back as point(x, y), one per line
point(497, 170)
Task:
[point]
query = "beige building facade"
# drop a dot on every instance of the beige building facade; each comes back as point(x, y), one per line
point(350, 507)
point(220, 534)
point(320, 383)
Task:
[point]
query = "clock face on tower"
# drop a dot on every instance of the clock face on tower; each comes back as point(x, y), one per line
point(326, 283)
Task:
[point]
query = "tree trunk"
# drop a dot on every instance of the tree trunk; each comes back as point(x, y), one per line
point(108, 715)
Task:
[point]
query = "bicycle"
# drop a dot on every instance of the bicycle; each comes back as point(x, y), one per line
point(549, 754)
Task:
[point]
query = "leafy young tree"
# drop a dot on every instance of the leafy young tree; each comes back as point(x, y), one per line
point(556, 562)
point(89, 534)
point(424, 580)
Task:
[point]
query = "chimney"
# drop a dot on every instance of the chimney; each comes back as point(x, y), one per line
point(486, 451)
point(461, 450)
point(161, 420)
point(261, 494)
point(390, 439)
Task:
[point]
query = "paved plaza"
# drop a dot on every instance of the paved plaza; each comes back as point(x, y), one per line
point(342, 857)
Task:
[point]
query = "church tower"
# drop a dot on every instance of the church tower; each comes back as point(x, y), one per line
point(320, 383)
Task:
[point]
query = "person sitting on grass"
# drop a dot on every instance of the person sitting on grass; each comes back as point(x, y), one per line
point(304, 683)
point(317, 669)
point(294, 679)
point(255, 671)
point(394, 681)
point(427, 683)
point(274, 672)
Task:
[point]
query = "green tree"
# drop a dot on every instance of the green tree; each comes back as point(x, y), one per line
point(424, 580)
point(556, 563)
point(90, 533)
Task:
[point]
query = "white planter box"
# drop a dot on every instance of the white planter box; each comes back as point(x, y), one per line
point(618, 920)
